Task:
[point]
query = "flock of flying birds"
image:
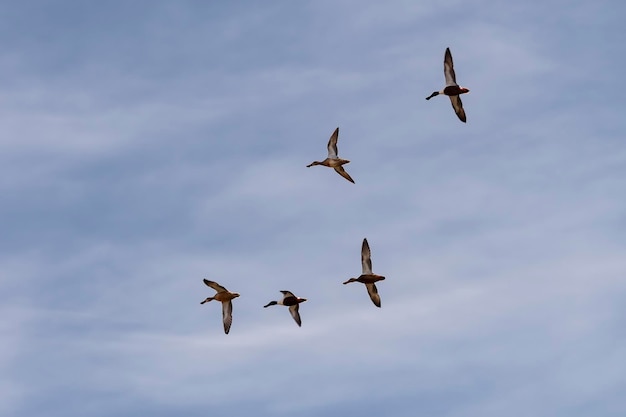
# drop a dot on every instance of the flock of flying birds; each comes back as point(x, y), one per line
point(367, 277)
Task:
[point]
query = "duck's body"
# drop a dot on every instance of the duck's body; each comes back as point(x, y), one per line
point(292, 302)
point(333, 161)
point(329, 162)
point(452, 89)
point(368, 277)
point(225, 297)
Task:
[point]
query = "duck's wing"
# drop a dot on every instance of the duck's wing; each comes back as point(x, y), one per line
point(448, 69)
point(217, 287)
point(343, 173)
point(227, 315)
point(366, 258)
point(295, 314)
point(373, 292)
point(288, 294)
point(457, 105)
point(332, 145)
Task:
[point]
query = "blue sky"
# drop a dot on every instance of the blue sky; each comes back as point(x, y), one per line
point(147, 145)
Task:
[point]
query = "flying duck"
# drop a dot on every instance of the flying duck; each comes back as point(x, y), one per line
point(333, 161)
point(367, 277)
point(452, 89)
point(225, 297)
point(292, 302)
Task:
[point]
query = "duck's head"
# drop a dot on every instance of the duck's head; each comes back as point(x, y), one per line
point(206, 300)
point(301, 300)
point(271, 303)
point(464, 90)
point(350, 280)
point(235, 295)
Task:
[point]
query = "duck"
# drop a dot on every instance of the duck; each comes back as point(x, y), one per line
point(333, 160)
point(452, 89)
point(368, 277)
point(292, 302)
point(226, 297)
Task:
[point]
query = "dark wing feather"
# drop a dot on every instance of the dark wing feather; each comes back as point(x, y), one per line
point(332, 145)
point(295, 314)
point(217, 287)
point(457, 105)
point(366, 258)
point(343, 173)
point(448, 69)
point(373, 292)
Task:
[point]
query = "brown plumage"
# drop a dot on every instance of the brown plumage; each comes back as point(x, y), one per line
point(225, 297)
point(368, 277)
point(333, 160)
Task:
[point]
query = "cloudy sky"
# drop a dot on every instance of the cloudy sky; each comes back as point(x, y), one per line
point(147, 145)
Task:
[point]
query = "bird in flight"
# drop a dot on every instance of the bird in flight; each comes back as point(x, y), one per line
point(333, 161)
point(226, 298)
point(368, 277)
point(452, 89)
point(292, 302)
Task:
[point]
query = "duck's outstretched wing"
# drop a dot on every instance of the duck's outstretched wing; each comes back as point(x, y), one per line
point(373, 292)
point(217, 287)
point(227, 315)
point(295, 314)
point(343, 173)
point(366, 258)
point(457, 105)
point(448, 69)
point(332, 145)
